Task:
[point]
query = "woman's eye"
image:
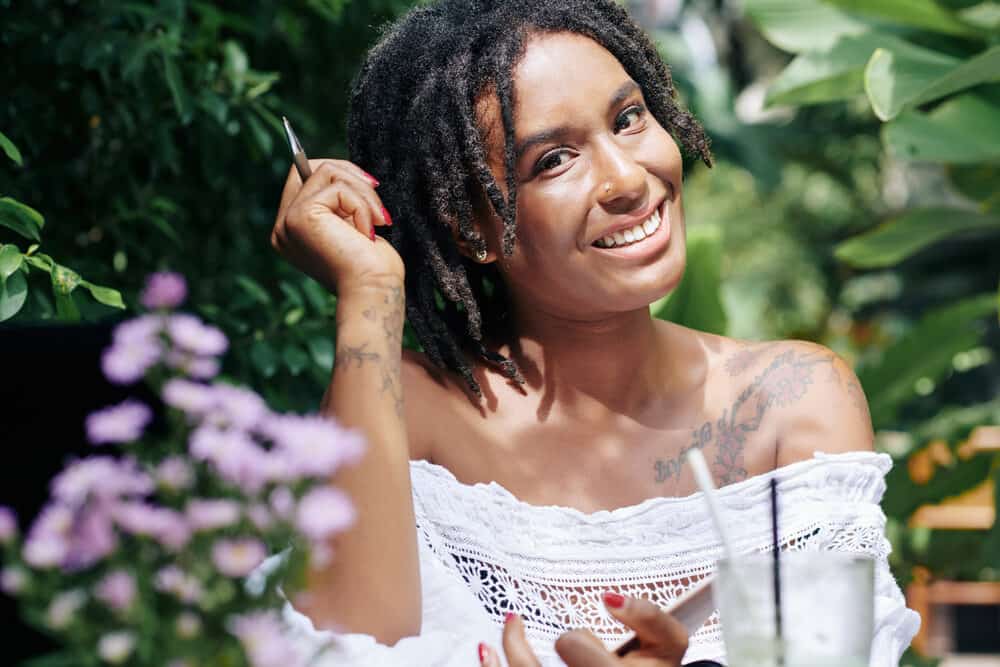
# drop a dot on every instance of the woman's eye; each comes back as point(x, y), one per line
point(629, 117)
point(551, 161)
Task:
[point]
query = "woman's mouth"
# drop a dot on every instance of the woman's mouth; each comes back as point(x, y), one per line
point(633, 234)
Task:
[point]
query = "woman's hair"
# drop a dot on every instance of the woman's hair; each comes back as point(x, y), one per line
point(413, 124)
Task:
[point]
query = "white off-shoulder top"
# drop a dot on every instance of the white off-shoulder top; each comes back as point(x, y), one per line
point(484, 553)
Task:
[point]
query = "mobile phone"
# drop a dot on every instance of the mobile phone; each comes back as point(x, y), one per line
point(692, 609)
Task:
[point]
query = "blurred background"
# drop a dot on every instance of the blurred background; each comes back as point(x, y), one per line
point(855, 202)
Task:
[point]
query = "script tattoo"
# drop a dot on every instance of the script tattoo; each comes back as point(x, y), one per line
point(354, 354)
point(782, 383)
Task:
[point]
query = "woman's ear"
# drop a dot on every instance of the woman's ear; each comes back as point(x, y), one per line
point(479, 247)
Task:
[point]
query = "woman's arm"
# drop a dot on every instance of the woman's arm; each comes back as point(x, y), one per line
point(326, 228)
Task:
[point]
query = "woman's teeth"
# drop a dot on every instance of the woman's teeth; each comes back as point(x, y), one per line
point(632, 235)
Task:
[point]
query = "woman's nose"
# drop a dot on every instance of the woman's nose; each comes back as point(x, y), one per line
point(621, 182)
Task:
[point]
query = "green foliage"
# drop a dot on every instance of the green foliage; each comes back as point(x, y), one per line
point(929, 71)
point(151, 140)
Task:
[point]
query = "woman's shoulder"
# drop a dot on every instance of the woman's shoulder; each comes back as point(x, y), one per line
point(810, 393)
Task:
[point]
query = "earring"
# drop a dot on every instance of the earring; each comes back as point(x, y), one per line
point(481, 255)
point(607, 188)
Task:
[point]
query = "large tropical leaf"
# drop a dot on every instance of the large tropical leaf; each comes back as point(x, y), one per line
point(838, 72)
point(896, 80)
point(801, 25)
point(697, 300)
point(901, 236)
point(925, 14)
point(926, 351)
point(962, 130)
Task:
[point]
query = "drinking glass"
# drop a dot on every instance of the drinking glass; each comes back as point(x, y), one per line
point(827, 610)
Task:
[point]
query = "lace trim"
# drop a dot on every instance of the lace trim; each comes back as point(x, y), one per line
point(550, 564)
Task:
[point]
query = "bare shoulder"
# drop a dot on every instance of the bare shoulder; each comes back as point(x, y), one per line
point(816, 400)
point(430, 396)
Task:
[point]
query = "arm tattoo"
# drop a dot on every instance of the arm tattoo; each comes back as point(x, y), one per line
point(356, 354)
point(784, 382)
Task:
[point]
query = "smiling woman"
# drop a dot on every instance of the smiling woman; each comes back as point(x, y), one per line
point(535, 473)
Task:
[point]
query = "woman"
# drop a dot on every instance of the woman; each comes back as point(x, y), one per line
point(526, 152)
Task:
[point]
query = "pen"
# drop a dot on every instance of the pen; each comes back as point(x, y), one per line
point(298, 155)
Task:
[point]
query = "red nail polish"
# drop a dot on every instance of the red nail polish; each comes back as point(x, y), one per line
point(614, 600)
point(385, 214)
point(506, 619)
point(483, 652)
point(372, 235)
point(371, 178)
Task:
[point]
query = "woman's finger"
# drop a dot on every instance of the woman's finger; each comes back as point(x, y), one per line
point(338, 199)
point(659, 633)
point(341, 170)
point(515, 644)
point(580, 648)
point(488, 657)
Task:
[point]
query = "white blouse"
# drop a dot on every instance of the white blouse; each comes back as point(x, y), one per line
point(484, 553)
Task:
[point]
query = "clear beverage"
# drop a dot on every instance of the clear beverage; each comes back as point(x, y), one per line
point(827, 610)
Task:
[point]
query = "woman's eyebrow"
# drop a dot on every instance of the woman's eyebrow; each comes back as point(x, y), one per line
point(555, 133)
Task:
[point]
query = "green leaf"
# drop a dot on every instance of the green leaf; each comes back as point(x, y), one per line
point(262, 135)
point(64, 280)
point(896, 81)
point(697, 301)
point(106, 295)
point(926, 350)
point(253, 288)
point(978, 182)
point(321, 351)
point(66, 308)
point(925, 14)
point(23, 219)
point(295, 358)
point(962, 130)
point(176, 85)
point(264, 358)
point(801, 25)
point(13, 292)
point(902, 236)
point(10, 149)
point(10, 260)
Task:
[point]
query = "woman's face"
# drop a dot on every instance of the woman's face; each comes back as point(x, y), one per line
point(591, 163)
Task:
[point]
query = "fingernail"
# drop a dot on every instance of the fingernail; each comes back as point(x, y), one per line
point(371, 178)
point(385, 214)
point(484, 653)
point(614, 600)
point(510, 615)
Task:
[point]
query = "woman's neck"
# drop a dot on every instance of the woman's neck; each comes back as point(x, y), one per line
point(594, 369)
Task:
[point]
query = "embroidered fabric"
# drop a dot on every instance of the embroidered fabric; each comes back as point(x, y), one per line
point(485, 553)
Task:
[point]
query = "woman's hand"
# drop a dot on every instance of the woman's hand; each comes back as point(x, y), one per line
point(326, 228)
point(662, 640)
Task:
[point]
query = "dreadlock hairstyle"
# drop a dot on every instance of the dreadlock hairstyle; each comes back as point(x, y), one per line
point(413, 124)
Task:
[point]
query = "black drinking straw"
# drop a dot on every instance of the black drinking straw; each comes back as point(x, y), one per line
point(776, 551)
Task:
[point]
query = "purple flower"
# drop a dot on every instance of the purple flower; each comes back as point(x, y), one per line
point(144, 329)
point(238, 407)
point(124, 422)
point(13, 580)
point(164, 289)
point(125, 363)
point(233, 454)
point(282, 502)
point(265, 640)
point(175, 581)
point(313, 446)
point(8, 524)
point(324, 511)
point(194, 398)
point(164, 525)
point(260, 517)
point(63, 608)
point(200, 368)
point(238, 557)
point(205, 514)
point(92, 537)
point(174, 473)
point(194, 337)
point(47, 543)
point(117, 590)
point(116, 647)
point(102, 477)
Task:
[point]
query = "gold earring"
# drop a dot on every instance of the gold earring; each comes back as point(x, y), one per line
point(481, 255)
point(607, 188)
